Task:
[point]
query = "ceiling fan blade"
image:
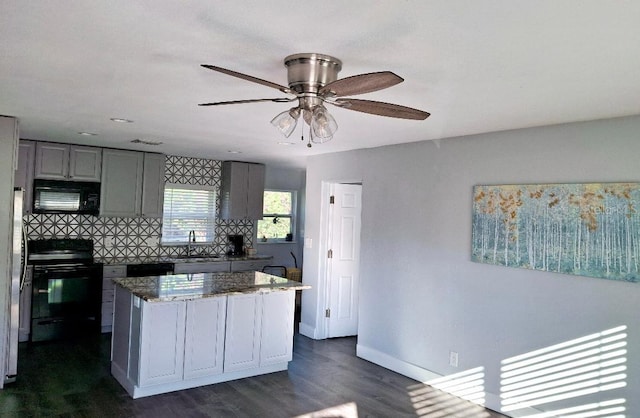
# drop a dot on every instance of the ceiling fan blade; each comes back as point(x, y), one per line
point(276, 100)
point(250, 78)
point(362, 83)
point(381, 109)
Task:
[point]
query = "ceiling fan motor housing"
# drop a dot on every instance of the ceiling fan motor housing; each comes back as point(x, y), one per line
point(307, 73)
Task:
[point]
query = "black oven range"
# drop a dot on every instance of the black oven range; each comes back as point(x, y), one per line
point(67, 288)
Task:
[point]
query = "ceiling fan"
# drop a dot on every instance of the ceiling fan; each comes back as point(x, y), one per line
point(313, 81)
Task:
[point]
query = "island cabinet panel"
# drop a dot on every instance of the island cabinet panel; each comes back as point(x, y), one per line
point(162, 332)
point(242, 338)
point(204, 339)
point(123, 333)
point(276, 342)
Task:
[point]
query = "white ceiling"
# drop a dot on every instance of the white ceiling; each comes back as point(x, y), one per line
point(477, 66)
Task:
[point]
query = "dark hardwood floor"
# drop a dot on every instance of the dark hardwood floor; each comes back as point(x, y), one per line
point(325, 379)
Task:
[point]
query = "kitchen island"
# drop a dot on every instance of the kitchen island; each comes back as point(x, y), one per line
point(181, 331)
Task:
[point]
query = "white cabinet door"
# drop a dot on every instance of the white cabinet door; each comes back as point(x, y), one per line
point(204, 338)
point(121, 189)
point(24, 172)
point(242, 337)
point(162, 342)
point(85, 163)
point(52, 161)
point(153, 185)
point(276, 342)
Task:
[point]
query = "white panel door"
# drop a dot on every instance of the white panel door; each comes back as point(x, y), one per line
point(276, 344)
point(242, 337)
point(344, 264)
point(204, 338)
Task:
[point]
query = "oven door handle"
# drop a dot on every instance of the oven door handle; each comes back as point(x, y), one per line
point(41, 291)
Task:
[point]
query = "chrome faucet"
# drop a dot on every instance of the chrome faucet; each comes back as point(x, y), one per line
point(192, 238)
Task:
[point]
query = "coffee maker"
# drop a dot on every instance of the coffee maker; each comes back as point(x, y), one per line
point(236, 245)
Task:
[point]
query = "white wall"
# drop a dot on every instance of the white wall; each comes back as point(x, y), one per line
point(421, 296)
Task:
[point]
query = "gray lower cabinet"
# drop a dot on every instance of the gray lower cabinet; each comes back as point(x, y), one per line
point(242, 190)
point(132, 184)
point(108, 293)
point(249, 265)
point(202, 267)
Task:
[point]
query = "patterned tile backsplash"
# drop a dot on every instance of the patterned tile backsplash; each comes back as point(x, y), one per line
point(134, 238)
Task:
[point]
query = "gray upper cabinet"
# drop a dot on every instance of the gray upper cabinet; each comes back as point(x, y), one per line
point(121, 189)
point(153, 185)
point(24, 172)
point(67, 162)
point(242, 190)
point(132, 184)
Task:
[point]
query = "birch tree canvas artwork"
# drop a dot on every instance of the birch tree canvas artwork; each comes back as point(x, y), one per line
point(582, 229)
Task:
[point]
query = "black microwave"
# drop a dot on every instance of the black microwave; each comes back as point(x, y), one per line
point(56, 196)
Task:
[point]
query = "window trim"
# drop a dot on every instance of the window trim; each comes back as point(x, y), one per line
point(216, 196)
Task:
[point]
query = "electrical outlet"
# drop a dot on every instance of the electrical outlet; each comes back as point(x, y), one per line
point(453, 358)
point(110, 242)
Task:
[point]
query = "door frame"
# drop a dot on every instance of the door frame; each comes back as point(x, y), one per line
point(324, 284)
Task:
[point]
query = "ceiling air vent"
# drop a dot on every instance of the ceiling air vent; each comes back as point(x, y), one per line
point(144, 142)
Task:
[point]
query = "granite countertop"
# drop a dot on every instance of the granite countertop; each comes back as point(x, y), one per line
point(175, 259)
point(173, 287)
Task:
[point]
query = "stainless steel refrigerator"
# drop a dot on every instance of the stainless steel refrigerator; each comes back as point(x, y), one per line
point(18, 274)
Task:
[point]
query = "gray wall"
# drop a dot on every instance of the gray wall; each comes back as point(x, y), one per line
point(421, 296)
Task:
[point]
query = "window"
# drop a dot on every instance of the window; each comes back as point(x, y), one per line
point(278, 219)
point(188, 208)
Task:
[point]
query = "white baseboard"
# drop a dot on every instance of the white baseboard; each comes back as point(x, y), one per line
point(307, 331)
point(392, 363)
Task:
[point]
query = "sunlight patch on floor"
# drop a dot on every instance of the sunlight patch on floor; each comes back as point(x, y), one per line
point(347, 410)
point(430, 402)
